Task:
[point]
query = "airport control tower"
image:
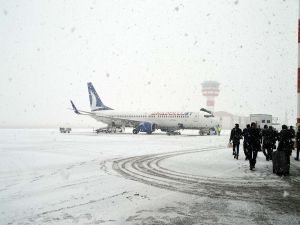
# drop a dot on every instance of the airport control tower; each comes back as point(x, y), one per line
point(210, 89)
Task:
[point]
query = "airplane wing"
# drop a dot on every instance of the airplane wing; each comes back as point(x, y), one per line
point(94, 115)
point(79, 112)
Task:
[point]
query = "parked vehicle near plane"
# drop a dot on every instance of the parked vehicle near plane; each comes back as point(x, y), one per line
point(65, 130)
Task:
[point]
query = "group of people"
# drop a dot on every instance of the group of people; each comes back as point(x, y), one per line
point(265, 140)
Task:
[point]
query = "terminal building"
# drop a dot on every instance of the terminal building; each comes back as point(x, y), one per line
point(261, 119)
point(228, 120)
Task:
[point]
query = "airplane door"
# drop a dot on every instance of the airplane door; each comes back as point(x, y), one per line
point(195, 120)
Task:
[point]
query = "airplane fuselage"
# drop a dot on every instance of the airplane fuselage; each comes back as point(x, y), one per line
point(186, 120)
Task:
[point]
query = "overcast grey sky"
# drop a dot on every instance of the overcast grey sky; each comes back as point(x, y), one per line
point(145, 55)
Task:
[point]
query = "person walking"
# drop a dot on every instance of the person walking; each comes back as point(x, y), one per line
point(285, 140)
point(275, 136)
point(293, 135)
point(255, 138)
point(218, 130)
point(246, 136)
point(235, 137)
point(267, 141)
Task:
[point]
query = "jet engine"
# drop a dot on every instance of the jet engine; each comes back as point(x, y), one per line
point(147, 127)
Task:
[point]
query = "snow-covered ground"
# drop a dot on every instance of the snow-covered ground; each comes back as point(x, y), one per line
point(83, 178)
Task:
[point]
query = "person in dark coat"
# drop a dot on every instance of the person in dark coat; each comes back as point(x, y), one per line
point(285, 138)
point(235, 137)
point(267, 141)
point(293, 135)
point(246, 136)
point(254, 145)
point(293, 132)
point(298, 143)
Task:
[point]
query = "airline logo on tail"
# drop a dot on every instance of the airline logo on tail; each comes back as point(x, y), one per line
point(95, 101)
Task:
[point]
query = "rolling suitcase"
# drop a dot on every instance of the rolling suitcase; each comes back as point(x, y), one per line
point(280, 163)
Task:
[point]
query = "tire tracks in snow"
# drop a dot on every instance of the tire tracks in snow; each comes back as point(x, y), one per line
point(270, 189)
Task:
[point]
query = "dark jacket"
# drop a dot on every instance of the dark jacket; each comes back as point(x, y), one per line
point(267, 137)
point(285, 139)
point(255, 138)
point(293, 133)
point(236, 135)
point(298, 136)
point(276, 134)
point(246, 134)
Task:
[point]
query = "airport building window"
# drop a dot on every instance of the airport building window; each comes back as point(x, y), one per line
point(268, 121)
point(263, 121)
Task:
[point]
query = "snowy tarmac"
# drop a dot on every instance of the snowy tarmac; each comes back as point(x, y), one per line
point(84, 178)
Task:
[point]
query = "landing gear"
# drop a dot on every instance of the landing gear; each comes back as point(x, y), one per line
point(173, 133)
point(135, 131)
point(122, 129)
point(207, 131)
point(108, 130)
point(201, 133)
point(180, 126)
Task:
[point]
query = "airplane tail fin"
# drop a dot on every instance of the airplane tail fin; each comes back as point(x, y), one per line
point(95, 101)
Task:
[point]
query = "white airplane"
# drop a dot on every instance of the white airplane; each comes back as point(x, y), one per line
point(148, 122)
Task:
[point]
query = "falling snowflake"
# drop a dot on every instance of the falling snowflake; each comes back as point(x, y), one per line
point(285, 194)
